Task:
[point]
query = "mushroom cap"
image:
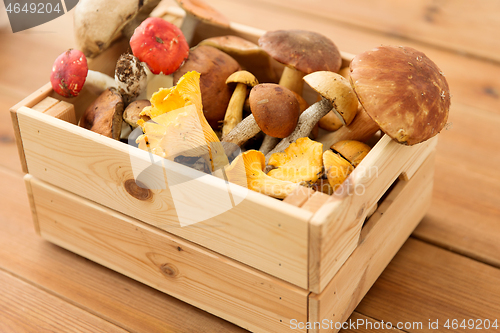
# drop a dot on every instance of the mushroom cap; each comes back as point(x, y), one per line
point(244, 77)
point(69, 73)
point(330, 122)
point(275, 109)
point(249, 55)
point(204, 12)
point(352, 150)
point(104, 115)
point(215, 67)
point(337, 90)
point(133, 111)
point(403, 91)
point(160, 44)
point(305, 51)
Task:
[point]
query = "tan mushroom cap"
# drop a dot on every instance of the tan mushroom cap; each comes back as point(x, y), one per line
point(104, 115)
point(133, 111)
point(244, 77)
point(352, 150)
point(403, 91)
point(338, 91)
point(275, 109)
point(204, 12)
point(249, 55)
point(215, 67)
point(305, 51)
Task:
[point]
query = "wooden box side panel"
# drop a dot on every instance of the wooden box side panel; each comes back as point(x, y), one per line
point(212, 282)
point(388, 229)
point(336, 227)
point(260, 231)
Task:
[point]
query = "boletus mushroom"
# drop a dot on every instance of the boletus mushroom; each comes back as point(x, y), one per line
point(234, 112)
point(275, 111)
point(402, 91)
point(133, 111)
point(104, 115)
point(337, 95)
point(249, 55)
point(215, 67)
point(302, 52)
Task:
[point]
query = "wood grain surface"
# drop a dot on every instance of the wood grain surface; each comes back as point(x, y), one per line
point(451, 270)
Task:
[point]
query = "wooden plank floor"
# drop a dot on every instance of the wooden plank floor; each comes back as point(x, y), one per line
point(449, 269)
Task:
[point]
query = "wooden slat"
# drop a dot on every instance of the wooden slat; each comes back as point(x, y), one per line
point(460, 25)
point(260, 231)
point(315, 202)
point(366, 325)
point(44, 104)
point(91, 287)
point(335, 228)
point(25, 308)
point(425, 283)
point(191, 273)
point(408, 200)
point(62, 110)
point(299, 196)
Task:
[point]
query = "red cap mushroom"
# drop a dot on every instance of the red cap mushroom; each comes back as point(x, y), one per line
point(159, 44)
point(70, 72)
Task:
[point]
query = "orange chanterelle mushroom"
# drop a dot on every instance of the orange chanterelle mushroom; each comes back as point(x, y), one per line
point(301, 162)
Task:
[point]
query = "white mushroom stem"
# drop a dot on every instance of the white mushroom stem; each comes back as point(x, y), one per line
point(292, 79)
point(97, 82)
point(243, 132)
point(131, 78)
point(188, 27)
point(268, 144)
point(234, 112)
point(306, 123)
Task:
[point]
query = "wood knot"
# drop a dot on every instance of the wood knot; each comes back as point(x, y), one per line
point(137, 190)
point(169, 270)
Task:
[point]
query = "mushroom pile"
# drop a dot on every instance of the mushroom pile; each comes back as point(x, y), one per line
point(236, 109)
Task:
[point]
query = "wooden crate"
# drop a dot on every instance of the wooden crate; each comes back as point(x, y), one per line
point(261, 264)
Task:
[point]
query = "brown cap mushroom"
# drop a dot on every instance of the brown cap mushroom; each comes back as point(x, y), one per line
point(215, 67)
point(104, 115)
point(133, 112)
point(249, 55)
point(196, 11)
point(337, 95)
point(234, 112)
point(403, 91)
point(302, 52)
point(275, 111)
point(275, 108)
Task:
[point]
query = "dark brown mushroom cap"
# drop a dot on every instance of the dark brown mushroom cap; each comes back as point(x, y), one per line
point(215, 67)
point(305, 51)
point(204, 12)
point(403, 91)
point(104, 115)
point(275, 109)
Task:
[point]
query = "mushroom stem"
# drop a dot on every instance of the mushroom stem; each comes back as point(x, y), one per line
point(131, 78)
point(234, 111)
point(97, 82)
point(188, 27)
point(361, 129)
point(306, 123)
point(268, 144)
point(243, 132)
point(292, 79)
